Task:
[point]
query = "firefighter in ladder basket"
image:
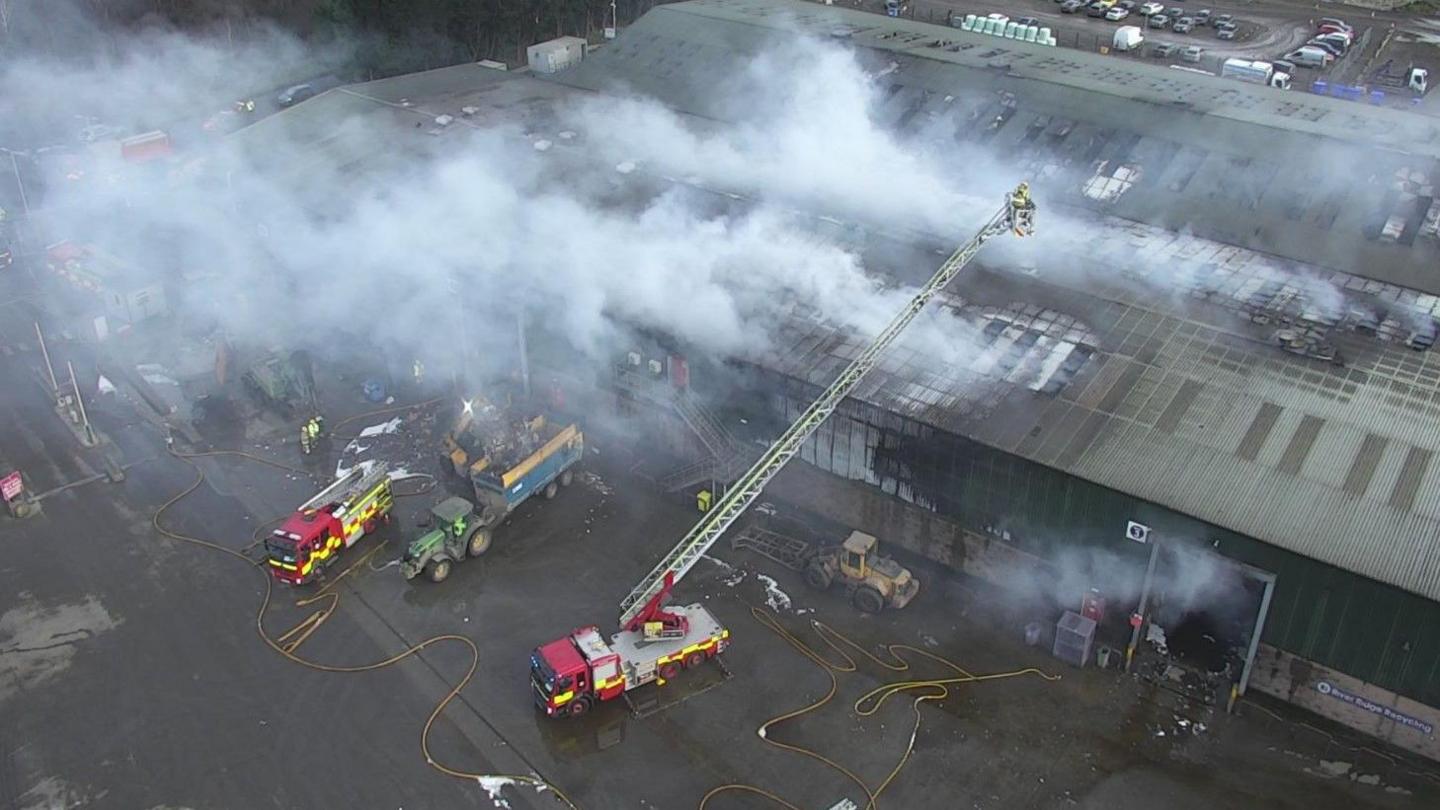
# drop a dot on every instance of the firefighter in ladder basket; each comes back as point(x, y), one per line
point(1022, 211)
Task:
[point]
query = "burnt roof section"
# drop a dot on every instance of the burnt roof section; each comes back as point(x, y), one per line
point(1306, 177)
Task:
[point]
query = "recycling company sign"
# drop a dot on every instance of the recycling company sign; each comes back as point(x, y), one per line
point(1331, 690)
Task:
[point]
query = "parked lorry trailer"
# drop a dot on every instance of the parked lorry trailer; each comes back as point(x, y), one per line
point(311, 539)
point(1255, 72)
point(1415, 79)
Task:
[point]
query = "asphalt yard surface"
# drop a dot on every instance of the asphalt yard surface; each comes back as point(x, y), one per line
point(131, 674)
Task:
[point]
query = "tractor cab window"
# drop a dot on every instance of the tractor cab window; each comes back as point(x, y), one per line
point(565, 683)
point(853, 559)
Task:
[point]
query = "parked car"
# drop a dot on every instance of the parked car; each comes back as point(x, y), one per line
point(1148, 9)
point(1192, 53)
point(1128, 5)
point(295, 95)
point(1116, 14)
point(1164, 50)
point(1159, 21)
point(1225, 32)
point(1027, 21)
point(1096, 10)
point(1223, 19)
point(1337, 23)
point(1201, 17)
point(1339, 40)
point(1071, 6)
point(1328, 28)
point(1183, 25)
point(1328, 47)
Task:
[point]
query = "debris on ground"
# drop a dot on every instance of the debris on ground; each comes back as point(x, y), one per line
point(596, 483)
point(1155, 635)
point(381, 429)
point(774, 597)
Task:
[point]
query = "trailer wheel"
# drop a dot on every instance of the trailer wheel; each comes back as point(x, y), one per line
point(438, 570)
point(579, 706)
point(479, 542)
point(566, 477)
point(550, 490)
point(694, 659)
point(669, 670)
point(869, 600)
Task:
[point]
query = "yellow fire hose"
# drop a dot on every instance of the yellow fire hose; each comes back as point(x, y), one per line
point(868, 703)
point(286, 644)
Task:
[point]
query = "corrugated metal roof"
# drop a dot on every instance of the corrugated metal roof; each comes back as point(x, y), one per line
point(1222, 158)
point(1085, 370)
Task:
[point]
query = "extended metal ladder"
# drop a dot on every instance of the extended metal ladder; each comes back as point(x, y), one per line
point(744, 492)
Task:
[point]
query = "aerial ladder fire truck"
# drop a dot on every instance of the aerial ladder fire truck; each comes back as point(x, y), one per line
point(336, 518)
point(571, 674)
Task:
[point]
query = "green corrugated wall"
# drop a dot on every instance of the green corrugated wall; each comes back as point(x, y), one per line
point(1338, 619)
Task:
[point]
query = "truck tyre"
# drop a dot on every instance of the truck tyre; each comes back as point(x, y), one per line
point(868, 599)
point(579, 706)
point(669, 670)
point(694, 659)
point(438, 570)
point(566, 477)
point(817, 577)
point(550, 490)
point(479, 542)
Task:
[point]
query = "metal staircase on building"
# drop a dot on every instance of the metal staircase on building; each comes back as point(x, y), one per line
point(726, 457)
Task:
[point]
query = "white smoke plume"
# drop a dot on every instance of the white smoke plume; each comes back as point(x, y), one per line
point(296, 243)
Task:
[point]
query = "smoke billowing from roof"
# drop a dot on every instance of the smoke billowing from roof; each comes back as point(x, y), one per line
point(350, 224)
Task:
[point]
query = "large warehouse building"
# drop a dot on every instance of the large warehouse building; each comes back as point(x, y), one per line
point(1290, 498)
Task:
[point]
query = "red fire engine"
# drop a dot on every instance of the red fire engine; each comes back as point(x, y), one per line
point(336, 518)
point(571, 674)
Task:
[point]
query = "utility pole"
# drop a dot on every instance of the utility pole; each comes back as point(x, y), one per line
point(44, 352)
point(19, 183)
point(80, 403)
point(524, 351)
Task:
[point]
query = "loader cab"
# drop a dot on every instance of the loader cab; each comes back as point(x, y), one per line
point(856, 553)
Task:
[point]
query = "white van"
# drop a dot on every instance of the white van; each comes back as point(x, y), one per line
point(1310, 57)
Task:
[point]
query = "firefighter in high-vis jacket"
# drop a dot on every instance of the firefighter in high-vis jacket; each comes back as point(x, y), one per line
point(1022, 210)
point(310, 433)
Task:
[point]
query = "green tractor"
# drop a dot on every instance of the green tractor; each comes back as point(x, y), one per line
point(459, 533)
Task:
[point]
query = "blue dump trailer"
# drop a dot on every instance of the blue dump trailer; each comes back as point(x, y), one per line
point(544, 470)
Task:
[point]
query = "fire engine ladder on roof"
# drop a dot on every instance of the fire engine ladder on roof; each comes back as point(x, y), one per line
point(359, 479)
point(700, 538)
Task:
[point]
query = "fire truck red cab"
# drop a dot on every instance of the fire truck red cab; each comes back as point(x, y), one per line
point(311, 538)
point(571, 674)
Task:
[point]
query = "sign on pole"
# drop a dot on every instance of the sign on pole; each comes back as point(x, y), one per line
point(11, 486)
point(1138, 532)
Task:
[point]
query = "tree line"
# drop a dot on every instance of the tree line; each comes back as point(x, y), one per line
point(388, 36)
